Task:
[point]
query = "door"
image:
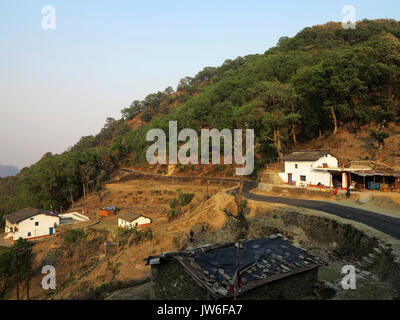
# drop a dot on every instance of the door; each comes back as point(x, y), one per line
point(51, 230)
point(290, 178)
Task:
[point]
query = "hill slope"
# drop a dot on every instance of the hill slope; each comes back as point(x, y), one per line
point(306, 87)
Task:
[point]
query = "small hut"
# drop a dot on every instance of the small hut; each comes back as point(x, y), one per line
point(108, 211)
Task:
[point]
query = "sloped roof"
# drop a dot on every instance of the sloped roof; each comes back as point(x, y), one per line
point(261, 261)
point(129, 216)
point(306, 155)
point(26, 213)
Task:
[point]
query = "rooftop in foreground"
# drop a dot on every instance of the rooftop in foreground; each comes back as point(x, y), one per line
point(261, 261)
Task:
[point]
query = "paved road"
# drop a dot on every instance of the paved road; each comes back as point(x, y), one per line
point(383, 223)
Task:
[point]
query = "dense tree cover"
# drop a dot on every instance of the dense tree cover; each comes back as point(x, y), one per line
point(59, 180)
point(8, 263)
point(112, 128)
point(304, 87)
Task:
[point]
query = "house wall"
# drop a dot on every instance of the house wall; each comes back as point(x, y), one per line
point(296, 287)
point(306, 168)
point(139, 221)
point(45, 222)
point(9, 226)
point(169, 281)
point(328, 159)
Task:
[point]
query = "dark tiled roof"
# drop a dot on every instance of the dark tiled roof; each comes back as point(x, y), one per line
point(129, 216)
point(261, 261)
point(306, 155)
point(26, 213)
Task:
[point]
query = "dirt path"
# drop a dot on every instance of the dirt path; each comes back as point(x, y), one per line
point(384, 223)
point(140, 292)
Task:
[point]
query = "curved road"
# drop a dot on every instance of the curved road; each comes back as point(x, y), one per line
point(383, 223)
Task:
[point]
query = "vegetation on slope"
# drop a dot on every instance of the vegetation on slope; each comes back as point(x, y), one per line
point(306, 86)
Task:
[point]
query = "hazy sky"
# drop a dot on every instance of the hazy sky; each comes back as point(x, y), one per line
point(58, 85)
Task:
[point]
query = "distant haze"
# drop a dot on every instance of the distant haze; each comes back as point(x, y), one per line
point(6, 171)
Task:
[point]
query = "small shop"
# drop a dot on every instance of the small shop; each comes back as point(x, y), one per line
point(374, 180)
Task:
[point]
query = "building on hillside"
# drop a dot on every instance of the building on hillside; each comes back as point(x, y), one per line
point(270, 268)
point(72, 217)
point(317, 168)
point(30, 223)
point(108, 211)
point(309, 168)
point(131, 220)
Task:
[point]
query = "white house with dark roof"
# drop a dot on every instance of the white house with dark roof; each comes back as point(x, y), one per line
point(30, 223)
point(131, 220)
point(309, 168)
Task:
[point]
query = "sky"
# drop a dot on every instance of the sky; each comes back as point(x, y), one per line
point(57, 85)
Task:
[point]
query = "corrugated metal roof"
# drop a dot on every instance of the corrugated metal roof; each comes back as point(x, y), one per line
point(368, 173)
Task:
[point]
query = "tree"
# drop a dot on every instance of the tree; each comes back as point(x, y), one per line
point(184, 83)
point(278, 101)
point(380, 136)
point(240, 216)
point(135, 108)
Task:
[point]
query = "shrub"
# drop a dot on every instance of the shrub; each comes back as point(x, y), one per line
point(185, 198)
point(74, 236)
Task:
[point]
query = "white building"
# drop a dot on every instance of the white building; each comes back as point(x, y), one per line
point(309, 168)
point(31, 223)
point(131, 220)
point(76, 216)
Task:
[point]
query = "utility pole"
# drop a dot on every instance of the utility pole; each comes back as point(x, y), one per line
point(237, 276)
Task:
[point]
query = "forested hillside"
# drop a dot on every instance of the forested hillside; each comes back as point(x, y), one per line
point(304, 87)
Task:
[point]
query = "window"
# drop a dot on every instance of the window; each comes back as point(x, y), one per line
point(29, 234)
point(303, 178)
point(296, 166)
point(36, 223)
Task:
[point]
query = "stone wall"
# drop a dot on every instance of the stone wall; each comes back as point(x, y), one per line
point(348, 240)
point(169, 281)
point(345, 239)
point(296, 287)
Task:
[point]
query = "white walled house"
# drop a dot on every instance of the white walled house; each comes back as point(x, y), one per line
point(132, 220)
point(30, 223)
point(309, 168)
